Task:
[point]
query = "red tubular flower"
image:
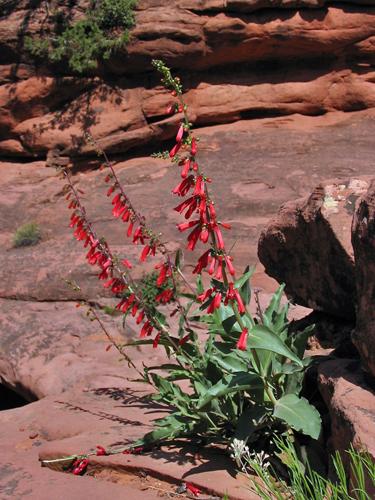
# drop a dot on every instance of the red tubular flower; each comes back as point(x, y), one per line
point(211, 269)
point(187, 225)
point(73, 220)
point(119, 209)
point(175, 150)
point(100, 451)
point(130, 229)
point(215, 304)
point(128, 303)
point(211, 209)
point(202, 207)
point(199, 186)
point(194, 148)
point(140, 317)
point(192, 201)
point(80, 466)
point(103, 275)
point(163, 274)
point(184, 339)
point(165, 296)
point(219, 270)
point(118, 287)
point(138, 235)
point(126, 263)
point(185, 169)
point(107, 264)
point(202, 263)
point(109, 283)
point(205, 295)
point(180, 133)
point(183, 188)
point(116, 199)
point(120, 304)
point(156, 340)
point(126, 215)
point(242, 341)
point(228, 261)
point(134, 309)
point(240, 304)
point(110, 190)
point(193, 238)
point(133, 451)
point(219, 237)
point(145, 252)
point(146, 329)
point(204, 234)
point(192, 489)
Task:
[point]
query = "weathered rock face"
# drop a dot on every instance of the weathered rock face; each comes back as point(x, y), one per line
point(351, 404)
point(239, 59)
point(308, 246)
point(364, 251)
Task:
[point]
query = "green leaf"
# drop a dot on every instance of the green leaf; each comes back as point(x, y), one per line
point(249, 421)
point(200, 287)
point(293, 382)
point(168, 392)
point(299, 414)
point(261, 337)
point(243, 284)
point(167, 428)
point(245, 277)
point(298, 341)
point(240, 381)
point(229, 323)
point(273, 317)
point(230, 362)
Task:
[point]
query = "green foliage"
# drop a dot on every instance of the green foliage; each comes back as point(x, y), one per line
point(302, 482)
point(249, 394)
point(150, 290)
point(82, 43)
point(27, 235)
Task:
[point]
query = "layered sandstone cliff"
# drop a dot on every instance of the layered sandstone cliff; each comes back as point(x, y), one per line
point(240, 59)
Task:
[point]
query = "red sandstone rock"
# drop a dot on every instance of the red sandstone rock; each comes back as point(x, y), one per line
point(308, 247)
point(40, 109)
point(351, 404)
point(364, 250)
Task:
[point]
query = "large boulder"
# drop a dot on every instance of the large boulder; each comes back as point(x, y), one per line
point(308, 247)
point(364, 250)
point(351, 404)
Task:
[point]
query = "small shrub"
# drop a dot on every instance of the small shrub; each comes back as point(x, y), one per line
point(104, 29)
point(27, 235)
point(150, 290)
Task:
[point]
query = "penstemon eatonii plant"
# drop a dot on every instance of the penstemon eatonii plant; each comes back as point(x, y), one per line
point(244, 373)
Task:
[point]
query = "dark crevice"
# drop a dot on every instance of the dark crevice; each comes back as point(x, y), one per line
point(14, 397)
point(248, 13)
